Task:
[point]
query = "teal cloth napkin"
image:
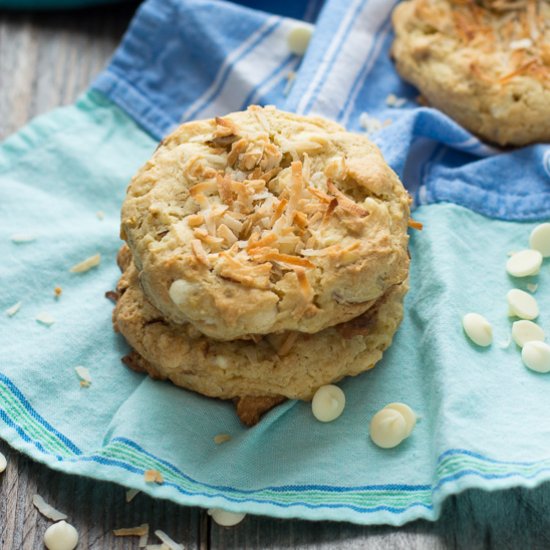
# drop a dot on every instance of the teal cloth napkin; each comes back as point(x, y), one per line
point(480, 410)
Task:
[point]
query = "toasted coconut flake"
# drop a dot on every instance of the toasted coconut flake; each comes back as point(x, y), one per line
point(225, 127)
point(157, 547)
point(221, 438)
point(270, 238)
point(138, 531)
point(299, 219)
point(255, 276)
point(47, 510)
point(86, 264)
point(202, 200)
point(168, 541)
point(57, 291)
point(195, 220)
point(11, 311)
point(323, 197)
point(199, 252)
point(131, 494)
point(84, 375)
point(153, 476)
point(330, 209)
point(288, 259)
point(20, 238)
point(44, 318)
point(415, 225)
point(224, 189)
point(305, 287)
point(520, 70)
point(206, 187)
point(278, 211)
point(288, 343)
point(345, 203)
point(225, 233)
point(237, 149)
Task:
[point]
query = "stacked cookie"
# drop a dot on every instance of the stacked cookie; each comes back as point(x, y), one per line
point(266, 256)
point(485, 63)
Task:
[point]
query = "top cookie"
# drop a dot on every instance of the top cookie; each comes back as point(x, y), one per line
point(486, 63)
point(263, 221)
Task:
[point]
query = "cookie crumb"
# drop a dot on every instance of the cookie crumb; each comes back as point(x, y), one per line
point(57, 291)
point(393, 101)
point(131, 494)
point(112, 295)
point(371, 124)
point(290, 77)
point(86, 264)
point(153, 476)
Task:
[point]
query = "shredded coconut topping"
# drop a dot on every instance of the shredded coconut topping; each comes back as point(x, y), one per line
point(11, 311)
point(172, 545)
point(86, 264)
point(47, 510)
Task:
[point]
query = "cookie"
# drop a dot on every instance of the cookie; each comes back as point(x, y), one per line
point(258, 373)
point(265, 221)
point(486, 64)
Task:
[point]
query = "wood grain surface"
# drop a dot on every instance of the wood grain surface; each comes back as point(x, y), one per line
point(47, 60)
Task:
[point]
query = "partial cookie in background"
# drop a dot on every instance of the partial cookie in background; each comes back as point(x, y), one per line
point(264, 221)
point(486, 63)
point(257, 373)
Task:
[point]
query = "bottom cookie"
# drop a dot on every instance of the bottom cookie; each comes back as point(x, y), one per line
point(257, 374)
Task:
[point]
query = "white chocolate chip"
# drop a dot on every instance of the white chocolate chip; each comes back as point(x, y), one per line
point(540, 239)
point(61, 536)
point(522, 305)
point(408, 415)
point(3, 463)
point(536, 356)
point(526, 331)
point(388, 428)
point(328, 403)
point(221, 361)
point(298, 39)
point(224, 517)
point(524, 263)
point(478, 329)
point(180, 290)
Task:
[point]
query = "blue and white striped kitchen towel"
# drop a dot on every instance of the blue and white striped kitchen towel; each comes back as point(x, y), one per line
point(183, 59)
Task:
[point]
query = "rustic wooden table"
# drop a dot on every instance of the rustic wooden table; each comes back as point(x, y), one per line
point(46, 60)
